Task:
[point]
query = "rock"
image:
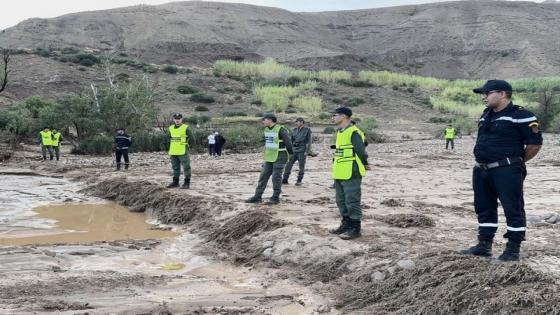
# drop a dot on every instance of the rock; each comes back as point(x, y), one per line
point(268, 244)
point(392, 269)
point(553, 219)
point(378, 276)
point(405, 264)
point(323, 309)
point(267, 252)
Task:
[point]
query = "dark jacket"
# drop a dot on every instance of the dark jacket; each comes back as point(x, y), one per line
point(123, 141)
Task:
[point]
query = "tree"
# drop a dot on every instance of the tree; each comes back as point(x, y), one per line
point(547, 96)
point(4, 70)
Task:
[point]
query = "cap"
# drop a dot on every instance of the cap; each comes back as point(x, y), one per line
point(120, 128)
point(300, 119)
point(493, 85)
point(177, 115)
point(343, 110)
point(269, 116)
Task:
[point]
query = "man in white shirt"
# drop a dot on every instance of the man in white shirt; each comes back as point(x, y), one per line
point(211, 144)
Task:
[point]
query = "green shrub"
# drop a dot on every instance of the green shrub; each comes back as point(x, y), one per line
point(42, 51)
point(357, 83)
point(122, 77)
point(324, 116)
point(172, 69)
point(149, 142)
point(200, 97)
point(69, 51)
point(201, 108)
point(355, 101)
point(150, 68)
point(329, 130)
point(98, 144)
point(196, 119)
point(439, 120)
point(185, 89)
point(241, 136)
point(234, 114)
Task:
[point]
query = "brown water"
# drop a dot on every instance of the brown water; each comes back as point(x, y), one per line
point(79, 223)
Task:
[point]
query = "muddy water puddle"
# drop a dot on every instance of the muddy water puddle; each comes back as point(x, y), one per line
point(79, 223)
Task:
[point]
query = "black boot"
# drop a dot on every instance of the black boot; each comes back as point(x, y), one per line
point(125, 166)
point(342, 227)
point(483, 248)
point(186, 184)
point(174, 184)
point(285, 181)
point(254, 199)
point(298, 183)
point(118, 166)
point(511, 253)
point(274, 200)
point(353, 231)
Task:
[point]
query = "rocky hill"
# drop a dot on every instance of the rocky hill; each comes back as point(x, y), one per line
point(465, 39)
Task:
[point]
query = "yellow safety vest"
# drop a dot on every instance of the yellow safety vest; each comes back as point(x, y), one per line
point(55, 139)
point(46, 137)
point(449, 133)
point(345, 156)
point(272, 143)
point(178, 140)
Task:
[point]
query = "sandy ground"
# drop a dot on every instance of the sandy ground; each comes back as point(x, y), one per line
point(418, 178)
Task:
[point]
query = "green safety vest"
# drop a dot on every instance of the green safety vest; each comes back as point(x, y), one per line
point(178, 140)
point(55, 139)
point(272, 143)
point(345, 156)
point(449, 133)
point(46, 137)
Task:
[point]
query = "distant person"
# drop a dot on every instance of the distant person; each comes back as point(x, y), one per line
point(46, 142)
point(450, 134)
point(277, 147)
point(349, 166)
point(180, 139)
point(122, 142)
point(211, 144)
point(56, 140)
point(508, 137)
point(220, 143)
point(301, 142)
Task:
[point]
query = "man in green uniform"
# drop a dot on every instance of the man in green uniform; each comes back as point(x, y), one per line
point(349, 166)
point(450, 134)
point(46, 142)
point(301, 142)
point(277, 147)
point(180, 138)
point(56, 139)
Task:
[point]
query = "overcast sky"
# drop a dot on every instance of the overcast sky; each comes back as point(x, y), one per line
point(15, 11)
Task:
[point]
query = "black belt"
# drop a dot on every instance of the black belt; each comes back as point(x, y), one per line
point(504, 162)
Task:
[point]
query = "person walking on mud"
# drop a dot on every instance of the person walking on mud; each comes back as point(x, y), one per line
point(349, 166)
point(45, 136)
point(449, 135)
point(56, 139)
point(180, 139)
point(122, 142)
point(277, 148)
point(508, 137)
point(301, 142)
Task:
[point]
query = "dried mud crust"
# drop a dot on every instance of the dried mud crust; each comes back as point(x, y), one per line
point(405, 220)
point(451, 283)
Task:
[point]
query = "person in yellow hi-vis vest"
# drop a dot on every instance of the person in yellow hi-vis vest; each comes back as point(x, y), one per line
point(56, 139)
point(277, 148)
point(46, 142)
point(450, 134)
point(349, 166)
point(180, 138)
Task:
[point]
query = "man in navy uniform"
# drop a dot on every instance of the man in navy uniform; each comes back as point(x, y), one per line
point(508, 136)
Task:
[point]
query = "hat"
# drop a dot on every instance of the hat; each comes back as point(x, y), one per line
point(343, 110)
point(270, 116)
point(120, 128)
point(177, 115)
point(493, 85)
point(300, 119)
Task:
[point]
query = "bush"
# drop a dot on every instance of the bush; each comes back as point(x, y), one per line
point(69, 51)
point(243, 136)
point(172, 69)
point(439, 120)
point(325, 116)
point(329, 130)
point(98, 144)
point(200, 97)
point(357, 83)
point(122, 77)
point(185, 89)
point(201, 108)
point(42, 51)
point(195, 119)
point(355, 101)
point(149, 142)
point(234, 114)
point(149, 68)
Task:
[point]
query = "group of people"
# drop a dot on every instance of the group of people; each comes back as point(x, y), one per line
point(50, 140)
point(216, 144)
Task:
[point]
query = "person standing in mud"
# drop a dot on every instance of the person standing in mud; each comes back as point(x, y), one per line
point(508, 137)
point(220, 142)
point(45, 136)
point(349, 166)
point(211, 144)
point(277, 148)
point(56, 139)
point(449, 135)
point(301, 142)
point(122, 142)
point(180, 139)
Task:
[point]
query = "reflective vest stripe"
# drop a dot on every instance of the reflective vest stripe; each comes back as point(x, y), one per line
point(178, 139)
point(344, 156)
point(272, 143)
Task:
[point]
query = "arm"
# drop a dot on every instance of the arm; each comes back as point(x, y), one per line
point(531, 134)
point(285, 136)
point(531, 151)
point(308, 141)
point(360, 148)
point(190, 139)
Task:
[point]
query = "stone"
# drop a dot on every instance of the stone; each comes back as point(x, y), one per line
point(268, 244)
point(267, 252)
point(405, 264)
point(378, 276)
point(553, 219)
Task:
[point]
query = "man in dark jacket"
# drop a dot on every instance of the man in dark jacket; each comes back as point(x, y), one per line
point(122, 143)
point(301, 141)
point(220, 142)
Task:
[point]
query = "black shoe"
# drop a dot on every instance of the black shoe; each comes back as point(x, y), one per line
point(298, 183)
point(174, 184)
point(342, 227)
point(483, 248)
point(126, 166)
point(186, 184)
point(254, 199)
point(353, 231)
point(511, 253)
point(118, 166)
point(272, 201)
point(285, 182)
